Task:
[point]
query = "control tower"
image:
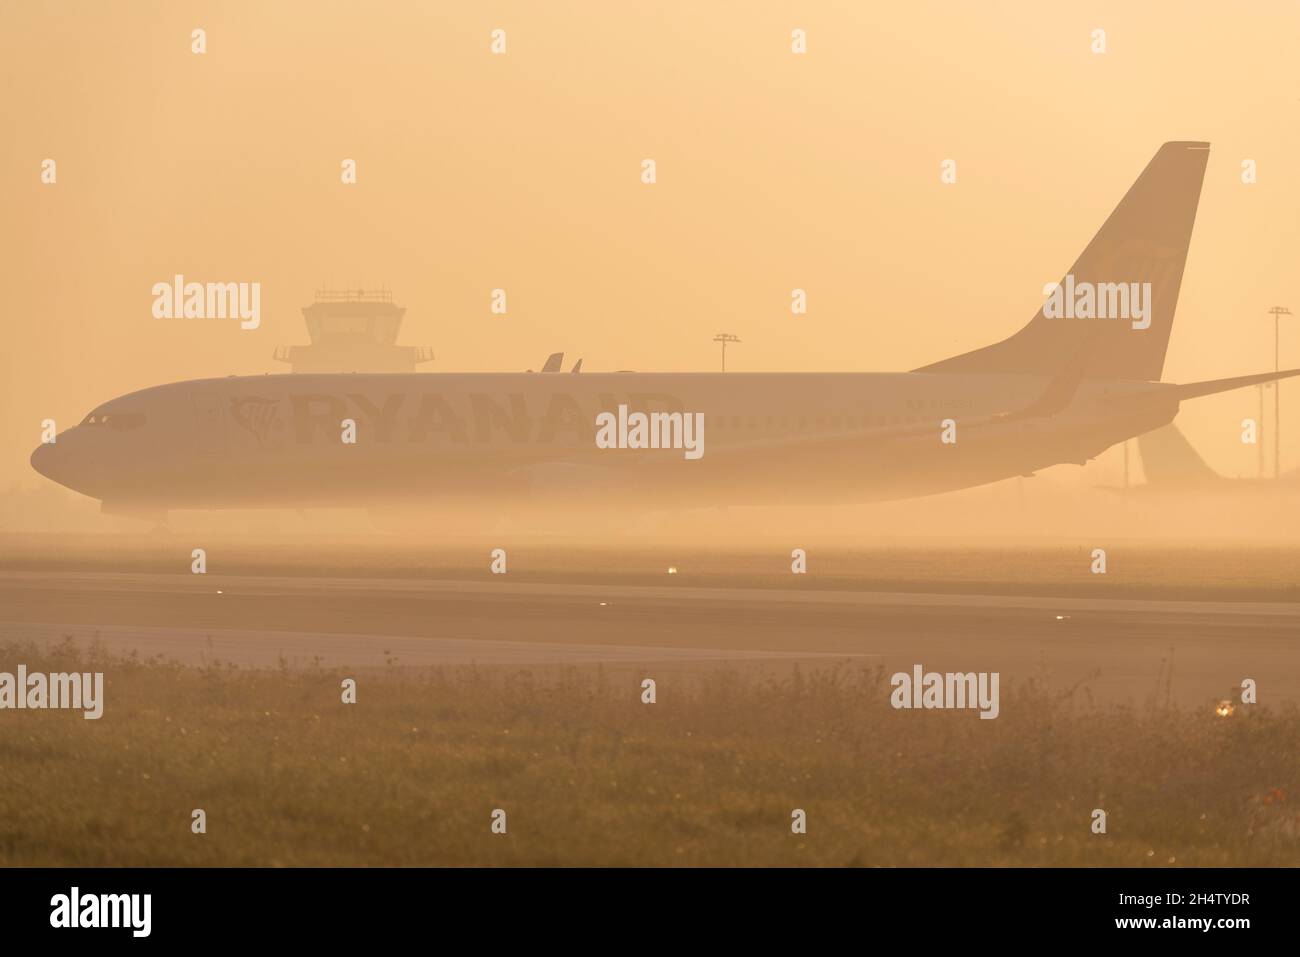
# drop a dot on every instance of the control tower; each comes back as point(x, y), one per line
point(353, 330)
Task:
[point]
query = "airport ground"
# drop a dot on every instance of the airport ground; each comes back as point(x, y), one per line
point(523, 692)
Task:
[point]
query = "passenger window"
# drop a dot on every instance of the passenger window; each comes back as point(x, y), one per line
point(121, 421)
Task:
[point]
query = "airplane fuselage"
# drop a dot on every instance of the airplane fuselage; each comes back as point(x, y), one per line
point(281, 440)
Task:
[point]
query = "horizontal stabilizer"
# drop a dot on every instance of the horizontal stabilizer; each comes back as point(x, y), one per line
point(1209, 387)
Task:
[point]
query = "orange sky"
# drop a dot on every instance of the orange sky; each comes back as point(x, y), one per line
point(522, 171)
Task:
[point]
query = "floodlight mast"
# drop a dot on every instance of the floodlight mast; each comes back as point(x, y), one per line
point(1277, 312)
point(724, 338)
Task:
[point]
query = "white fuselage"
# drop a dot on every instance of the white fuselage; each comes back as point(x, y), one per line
point(434, 437)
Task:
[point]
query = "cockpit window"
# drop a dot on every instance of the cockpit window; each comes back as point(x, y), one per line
point(120, 421)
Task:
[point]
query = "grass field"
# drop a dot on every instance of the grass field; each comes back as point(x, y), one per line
point(589, 775)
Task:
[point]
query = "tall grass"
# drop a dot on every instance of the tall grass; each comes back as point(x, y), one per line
point(588, 775)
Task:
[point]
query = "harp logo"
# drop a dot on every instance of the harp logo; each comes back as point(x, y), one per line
point(257, 415)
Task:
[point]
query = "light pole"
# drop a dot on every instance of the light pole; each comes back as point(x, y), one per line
point(724, 338)
point(1259, 434)
point(1277, 312)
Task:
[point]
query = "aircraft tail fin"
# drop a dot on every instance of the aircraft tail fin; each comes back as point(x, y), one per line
point(1145, 240)
point(1169, 459)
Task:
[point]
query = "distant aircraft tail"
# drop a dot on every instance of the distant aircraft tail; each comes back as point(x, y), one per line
point(1143, 241)
point(1168, 459)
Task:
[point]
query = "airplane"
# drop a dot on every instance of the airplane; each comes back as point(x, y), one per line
point(1060, 390)
point(1171, 464)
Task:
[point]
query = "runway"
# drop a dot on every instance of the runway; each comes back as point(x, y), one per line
point(1116, 649)
point(295, 649)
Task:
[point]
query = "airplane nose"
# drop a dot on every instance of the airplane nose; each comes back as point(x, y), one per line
point(52, 461)
point(43, 459)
